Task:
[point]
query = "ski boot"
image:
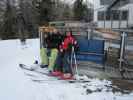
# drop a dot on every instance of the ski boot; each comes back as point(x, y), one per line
point(67, 76)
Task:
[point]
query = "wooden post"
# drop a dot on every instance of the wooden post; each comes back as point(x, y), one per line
point(111, 19)
point(41, 38)
point(120, 19)
point(104, 18)
point(120, 14)
point(127, 17)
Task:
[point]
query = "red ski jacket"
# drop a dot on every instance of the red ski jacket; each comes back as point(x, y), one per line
point(69, 40)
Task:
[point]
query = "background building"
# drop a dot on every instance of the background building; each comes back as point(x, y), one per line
point(114, 13)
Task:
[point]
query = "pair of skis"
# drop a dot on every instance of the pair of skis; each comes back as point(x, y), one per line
point(77, 77)
point(43, 73)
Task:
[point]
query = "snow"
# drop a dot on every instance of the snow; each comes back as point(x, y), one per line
point(16, 85)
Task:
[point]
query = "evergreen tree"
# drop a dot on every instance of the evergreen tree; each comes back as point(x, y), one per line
point(45, 10)
point(80, 10)
point(26, 19)
point(9, 22)
point(67, 13)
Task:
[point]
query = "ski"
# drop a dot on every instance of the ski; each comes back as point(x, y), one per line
point(59, 80)
point(46, 73)
point(25, 67)
point(40, 76)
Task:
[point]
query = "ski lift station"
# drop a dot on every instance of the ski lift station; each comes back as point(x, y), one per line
point(109, 50)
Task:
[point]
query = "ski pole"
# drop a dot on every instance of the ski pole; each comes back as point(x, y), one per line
point(72, 62)
point(75, 61)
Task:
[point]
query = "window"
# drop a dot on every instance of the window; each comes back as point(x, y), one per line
point(101, 15)
point(115, 14)
point(108, 15)
point(124, 15)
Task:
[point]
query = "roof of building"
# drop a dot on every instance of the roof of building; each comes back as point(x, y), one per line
point(118, 3)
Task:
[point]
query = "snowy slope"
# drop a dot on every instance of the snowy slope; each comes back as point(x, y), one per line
point(15, 85)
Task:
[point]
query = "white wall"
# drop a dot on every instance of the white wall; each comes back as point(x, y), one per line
point(96, 7)
point(131, 15)
point(115, 24)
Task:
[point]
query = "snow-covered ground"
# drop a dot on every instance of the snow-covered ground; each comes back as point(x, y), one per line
point(16, 85)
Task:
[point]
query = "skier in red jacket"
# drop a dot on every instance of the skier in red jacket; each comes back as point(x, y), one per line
point(66, 48)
